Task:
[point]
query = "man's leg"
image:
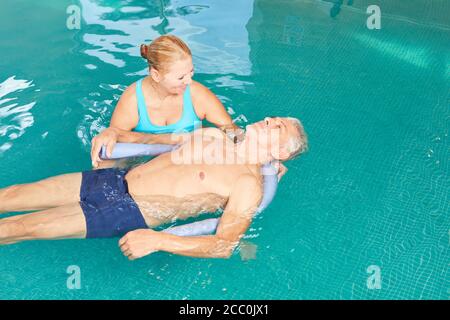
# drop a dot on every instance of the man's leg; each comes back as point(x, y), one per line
point(57, 223)
point(48, 193)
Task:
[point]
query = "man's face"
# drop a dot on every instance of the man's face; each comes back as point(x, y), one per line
point(271, 135)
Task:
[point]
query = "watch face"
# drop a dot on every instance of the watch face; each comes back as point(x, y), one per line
point(236, 135)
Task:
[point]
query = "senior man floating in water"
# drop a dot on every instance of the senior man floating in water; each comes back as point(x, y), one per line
point(207, 172)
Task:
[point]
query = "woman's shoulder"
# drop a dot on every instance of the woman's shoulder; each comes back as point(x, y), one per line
point(126, 108)
point(202, 97)
point(131, 89)
point(129, 94)
point(198, 90)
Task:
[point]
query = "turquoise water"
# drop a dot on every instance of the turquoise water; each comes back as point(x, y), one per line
point(372, 191)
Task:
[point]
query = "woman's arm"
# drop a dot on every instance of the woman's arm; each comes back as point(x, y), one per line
point(124, 118)
point(208, 106)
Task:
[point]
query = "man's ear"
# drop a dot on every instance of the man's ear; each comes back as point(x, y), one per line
point(156, 76)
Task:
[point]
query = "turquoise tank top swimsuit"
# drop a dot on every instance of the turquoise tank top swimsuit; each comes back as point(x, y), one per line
point(188, 121)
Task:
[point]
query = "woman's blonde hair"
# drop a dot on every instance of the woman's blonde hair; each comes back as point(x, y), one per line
point(165, 50)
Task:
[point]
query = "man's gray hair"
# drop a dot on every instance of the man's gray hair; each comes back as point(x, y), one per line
point(299, 143)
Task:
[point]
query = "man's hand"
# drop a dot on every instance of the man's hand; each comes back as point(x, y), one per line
point(139, 243)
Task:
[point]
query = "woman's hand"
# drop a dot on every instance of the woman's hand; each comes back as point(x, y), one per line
point(107, 137)
point(139, 243)
point(281, 168)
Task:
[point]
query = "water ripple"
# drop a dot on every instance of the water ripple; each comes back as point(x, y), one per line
point(124, 29)
point(14, 118)
point(98, 107)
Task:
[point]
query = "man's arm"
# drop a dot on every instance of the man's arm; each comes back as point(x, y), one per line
point(236, 219)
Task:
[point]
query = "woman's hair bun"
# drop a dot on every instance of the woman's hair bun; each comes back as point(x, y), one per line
point(144, 51)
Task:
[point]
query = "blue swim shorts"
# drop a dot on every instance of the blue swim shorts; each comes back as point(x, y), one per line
point(109, 209)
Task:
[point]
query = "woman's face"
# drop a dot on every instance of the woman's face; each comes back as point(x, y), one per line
point(178, 76)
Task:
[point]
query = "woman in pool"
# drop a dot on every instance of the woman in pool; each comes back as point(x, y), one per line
point(166, 101)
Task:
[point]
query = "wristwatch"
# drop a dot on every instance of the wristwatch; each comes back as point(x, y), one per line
point(236, 135)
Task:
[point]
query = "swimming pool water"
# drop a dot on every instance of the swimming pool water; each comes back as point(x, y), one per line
point(372, 193)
